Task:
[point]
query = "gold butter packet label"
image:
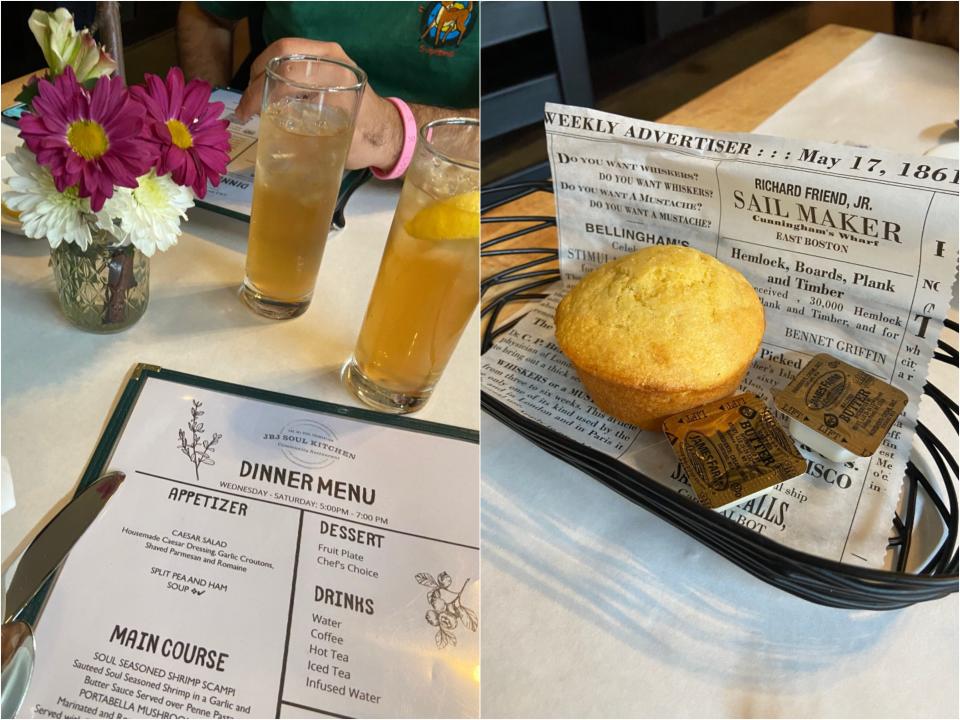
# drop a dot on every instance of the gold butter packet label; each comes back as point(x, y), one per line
point(732, 449)
point(843, 403)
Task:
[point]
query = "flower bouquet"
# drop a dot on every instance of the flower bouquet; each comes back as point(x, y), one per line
point(106, 172)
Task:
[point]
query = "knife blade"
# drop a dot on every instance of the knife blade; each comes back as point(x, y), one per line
point(49, 549)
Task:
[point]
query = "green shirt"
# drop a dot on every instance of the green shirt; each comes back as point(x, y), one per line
point(396, 43)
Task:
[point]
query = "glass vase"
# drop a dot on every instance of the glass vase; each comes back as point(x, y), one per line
point(104, 288)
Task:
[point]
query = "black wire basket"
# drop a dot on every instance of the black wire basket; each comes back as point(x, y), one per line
point(808, 576)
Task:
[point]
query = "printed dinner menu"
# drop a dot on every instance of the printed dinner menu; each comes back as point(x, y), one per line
point(265, 560)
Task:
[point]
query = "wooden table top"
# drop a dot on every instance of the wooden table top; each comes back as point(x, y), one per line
point(10, 89)
point(736, 105)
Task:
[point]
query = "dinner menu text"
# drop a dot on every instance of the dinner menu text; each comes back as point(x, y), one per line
point(262, 560)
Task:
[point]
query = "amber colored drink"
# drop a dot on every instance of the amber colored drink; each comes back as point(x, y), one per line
point(428, 283)
point(299, 163)
point(424, 295)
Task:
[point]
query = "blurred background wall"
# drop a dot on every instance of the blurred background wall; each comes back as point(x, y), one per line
point(644, 59)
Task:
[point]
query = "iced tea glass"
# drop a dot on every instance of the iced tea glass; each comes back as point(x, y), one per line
point(306, 123)
point(428, 284)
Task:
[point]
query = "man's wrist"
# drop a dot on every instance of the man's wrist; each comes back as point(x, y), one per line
point(393, 145)
point(401, 140)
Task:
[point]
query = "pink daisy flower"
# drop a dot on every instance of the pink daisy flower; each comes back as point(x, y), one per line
point(90, 139)
point(193, 141)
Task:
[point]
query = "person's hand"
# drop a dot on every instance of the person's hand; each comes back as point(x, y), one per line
point(378, 136)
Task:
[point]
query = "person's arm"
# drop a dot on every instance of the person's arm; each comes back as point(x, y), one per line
point(378, 136)
point(205, 43)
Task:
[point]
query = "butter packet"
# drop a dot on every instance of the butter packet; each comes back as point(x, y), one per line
point(839, 410)
point(732, 449)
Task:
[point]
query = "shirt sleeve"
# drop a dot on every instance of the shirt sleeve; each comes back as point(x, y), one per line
point(228, 10)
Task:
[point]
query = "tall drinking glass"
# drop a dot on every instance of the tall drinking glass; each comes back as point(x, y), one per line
point(428, 283)
point(309, 108)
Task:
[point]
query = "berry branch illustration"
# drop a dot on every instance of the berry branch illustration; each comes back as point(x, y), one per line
point(195, 448)
point(446, 614)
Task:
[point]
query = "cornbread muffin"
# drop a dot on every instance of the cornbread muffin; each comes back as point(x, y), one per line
point(660, 331)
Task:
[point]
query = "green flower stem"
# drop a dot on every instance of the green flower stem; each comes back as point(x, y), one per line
point(120, 280)
point(104, 288)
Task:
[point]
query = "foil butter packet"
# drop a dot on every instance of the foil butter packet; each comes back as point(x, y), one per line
point(732, 449)
point(839, 410)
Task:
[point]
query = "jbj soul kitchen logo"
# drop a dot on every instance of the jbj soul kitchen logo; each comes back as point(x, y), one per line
point(309, 444)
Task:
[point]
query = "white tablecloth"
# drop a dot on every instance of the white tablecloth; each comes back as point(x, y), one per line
point(59, 383)
point(594, 607)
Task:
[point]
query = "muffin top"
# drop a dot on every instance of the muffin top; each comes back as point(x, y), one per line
point(664, 318)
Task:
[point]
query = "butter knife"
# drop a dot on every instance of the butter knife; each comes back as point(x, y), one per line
point(49, 549)
point(40, 561)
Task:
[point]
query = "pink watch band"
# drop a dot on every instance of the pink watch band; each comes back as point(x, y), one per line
point(409, 143)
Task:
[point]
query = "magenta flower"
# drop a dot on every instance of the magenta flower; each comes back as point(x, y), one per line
point(192, 140)
point(90, 139)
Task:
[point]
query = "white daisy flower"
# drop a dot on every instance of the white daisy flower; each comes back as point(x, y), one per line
point(149, 215)
point(45, 212)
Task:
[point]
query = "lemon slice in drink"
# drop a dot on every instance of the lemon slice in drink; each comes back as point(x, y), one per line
point(8, 213)
point(456, 218)
point(10, 220)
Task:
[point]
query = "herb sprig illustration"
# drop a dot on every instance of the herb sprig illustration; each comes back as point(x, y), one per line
point(446, 614)
point(196, 448)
